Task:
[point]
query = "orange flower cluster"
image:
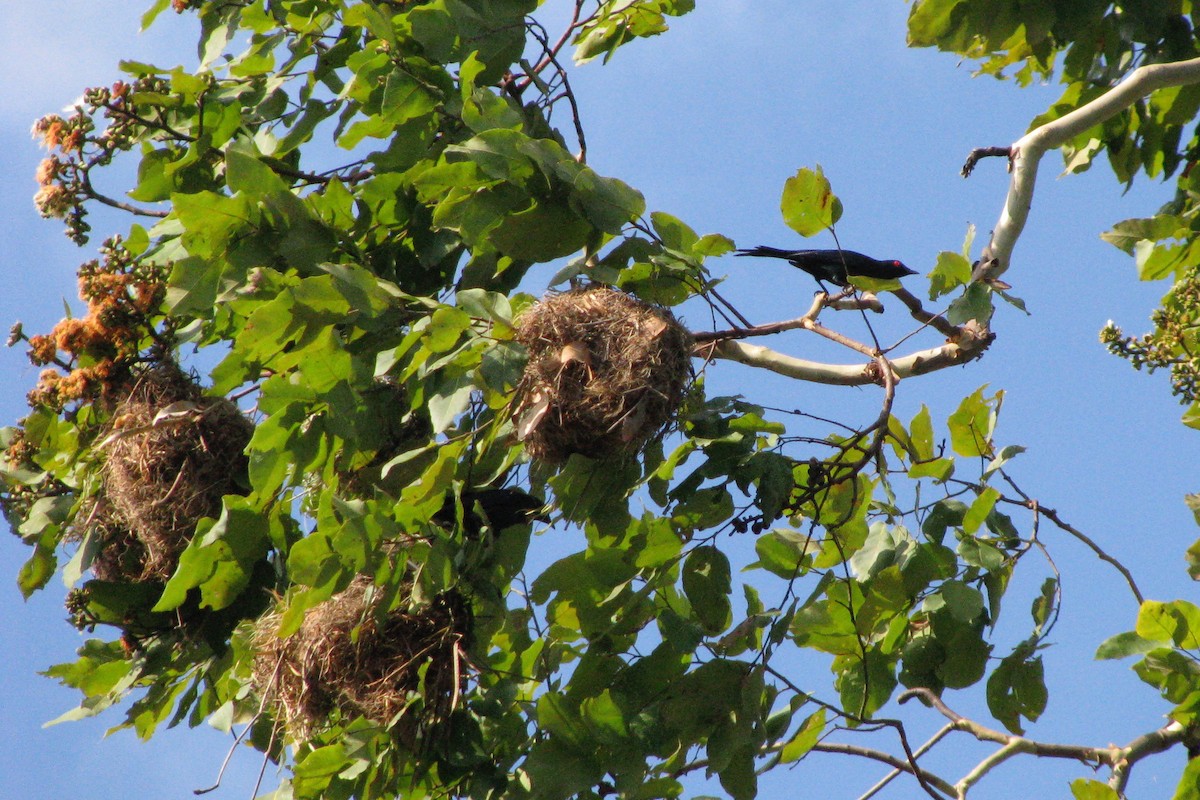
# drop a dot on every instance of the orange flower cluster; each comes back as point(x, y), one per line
point(77, 148)
point(122, 296)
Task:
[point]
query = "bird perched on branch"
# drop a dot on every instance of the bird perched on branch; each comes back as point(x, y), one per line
point(501, 508)
point(835, 266)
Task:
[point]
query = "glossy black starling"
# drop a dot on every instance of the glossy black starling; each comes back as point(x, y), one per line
point(835, 266)
point(502, 508)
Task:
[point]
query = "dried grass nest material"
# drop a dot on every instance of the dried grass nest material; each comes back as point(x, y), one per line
point(606, 373)
point(171, 454)
point(404, 668)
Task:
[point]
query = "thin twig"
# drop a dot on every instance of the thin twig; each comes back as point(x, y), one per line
point(918, 312)
point(540, 34)
point(932, 783)
point(898, 771)
point(90, 191)
point(1052, 515)
point(910, 766)
point(985, 152)
point(713, 291)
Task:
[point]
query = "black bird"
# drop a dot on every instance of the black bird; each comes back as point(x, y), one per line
point(502, 508)
point(835, 266)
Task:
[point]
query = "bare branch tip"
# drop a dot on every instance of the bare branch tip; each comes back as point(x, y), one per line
point(986, 152)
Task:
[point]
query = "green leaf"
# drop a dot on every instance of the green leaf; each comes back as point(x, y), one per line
point(944, 514)
point(921, 434)
point(966, 654)
point(980, 553)
point(1044, 605)
point(607, 203)
point(707, 584)
point(152, 13)
point(1005, 455)
point(1123, 645)
point(1189, 782)
point(864, 685)
point(1193, 560)
point(975, 303)
point(314, 771)
point(542, 232)
point(220, 558)
point(972, 424)
point(980, 508)
point(485, 305)
point(1193, 503)
point(783, 552)
point(153, 182)
point(675, 234)
point(448, 401)
point(1177, 621)
point(804, 739)
point(738, 776)
point(661, 545)
point(557, 771)
point(1088, 789)
point(951, 271)
point(1191, 417)
point(246, 172)
point(37, 571)
point(1017, 688)
point(964, 602)
point(809, 205)
point(404, 98)
point(192, 287)
point(1128, 233)
point(876, 554)
point(940, 469)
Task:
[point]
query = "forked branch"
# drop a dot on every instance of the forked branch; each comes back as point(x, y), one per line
point(1119, 759)
point(964, 343)
point(1025, 154)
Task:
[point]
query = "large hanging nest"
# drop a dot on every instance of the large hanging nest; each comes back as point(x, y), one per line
point(117, 555)
point(606, 372)
point(402, 669)
point(171, 454)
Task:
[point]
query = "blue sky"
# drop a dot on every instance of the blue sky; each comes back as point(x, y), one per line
point(708, 121)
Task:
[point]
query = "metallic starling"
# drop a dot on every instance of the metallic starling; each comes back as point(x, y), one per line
point(835, 266)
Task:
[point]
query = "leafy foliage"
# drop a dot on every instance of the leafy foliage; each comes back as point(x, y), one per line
point(343, 214)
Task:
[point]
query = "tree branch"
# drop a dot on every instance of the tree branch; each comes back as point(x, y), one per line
point(889, 759)
point(920, 751)
point(1119, 759)
point(965, 343)
point(1147, 744)
point(918, 312)
point(985, 152)
point(90, 191)
point(969, 346)
point(1026, 152)
point(1052, 515)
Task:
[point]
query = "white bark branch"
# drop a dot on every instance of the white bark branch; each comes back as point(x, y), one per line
point(1027, 151)
point(970, 345)
point(1120, 760)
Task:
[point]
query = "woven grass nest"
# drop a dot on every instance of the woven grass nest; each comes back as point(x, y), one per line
point(403, 669)
point(606, 373)
point(171, 454)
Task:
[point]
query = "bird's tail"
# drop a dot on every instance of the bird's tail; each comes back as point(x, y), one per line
point(762, 251)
